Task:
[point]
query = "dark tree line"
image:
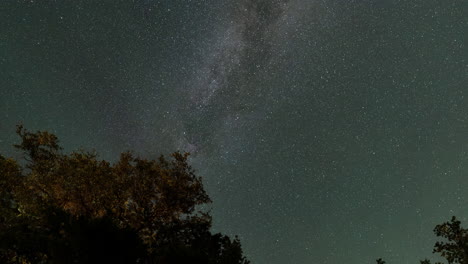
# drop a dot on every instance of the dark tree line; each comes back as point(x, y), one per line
point(454, 247)
point(76, 208)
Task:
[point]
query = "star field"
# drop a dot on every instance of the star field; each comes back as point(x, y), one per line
point(325, 131)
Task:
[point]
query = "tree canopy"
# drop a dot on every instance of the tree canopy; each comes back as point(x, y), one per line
point(454, 244)
point(64, 208)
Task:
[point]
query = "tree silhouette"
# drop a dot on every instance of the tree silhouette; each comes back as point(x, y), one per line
point(380, 261)
point(454, 248)
point(65, 208)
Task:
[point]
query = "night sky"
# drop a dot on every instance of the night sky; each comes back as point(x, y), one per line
point(326, 131)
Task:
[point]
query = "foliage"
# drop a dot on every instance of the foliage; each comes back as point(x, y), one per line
point(62, 206)
point(454, 248)
point(380, 261)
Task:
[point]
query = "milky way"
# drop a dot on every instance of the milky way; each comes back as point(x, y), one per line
point(326, 131)
point(239, 50)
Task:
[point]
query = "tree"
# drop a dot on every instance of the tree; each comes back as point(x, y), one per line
point(55, 194)
point(380, 261)
point(454, 248)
